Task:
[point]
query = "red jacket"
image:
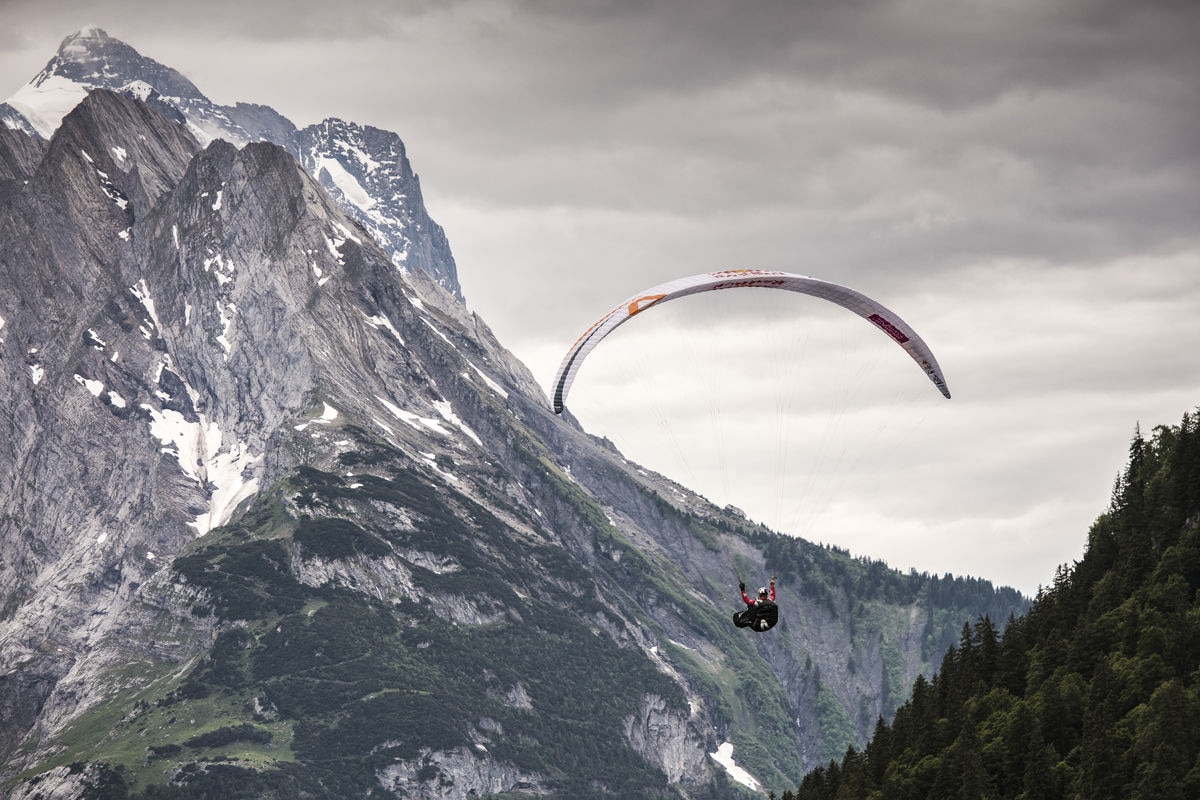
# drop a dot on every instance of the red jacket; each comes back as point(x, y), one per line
point(750, 601)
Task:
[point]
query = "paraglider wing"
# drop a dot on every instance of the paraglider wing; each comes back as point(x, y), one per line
point(860, 304)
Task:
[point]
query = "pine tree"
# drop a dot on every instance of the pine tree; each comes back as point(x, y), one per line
point(1094, 694)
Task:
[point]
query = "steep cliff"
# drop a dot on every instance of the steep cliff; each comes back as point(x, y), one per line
point(368, 172)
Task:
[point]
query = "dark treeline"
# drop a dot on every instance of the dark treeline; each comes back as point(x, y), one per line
point(840, 583)
point(1092, 694)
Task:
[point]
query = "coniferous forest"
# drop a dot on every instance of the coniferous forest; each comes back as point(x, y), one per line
point(1093, 694)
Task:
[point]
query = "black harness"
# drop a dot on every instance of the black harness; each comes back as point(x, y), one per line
point(760, 617)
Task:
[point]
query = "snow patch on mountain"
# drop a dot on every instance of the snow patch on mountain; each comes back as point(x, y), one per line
point(220, 268)
point(489, 382)
point(380, 321)
point(415, 421)
point(447, 411)
point(227, 313)
point(45, 102)
point(724, 757)
point(328, 415)
point(225, 474)
point(95, 387)
point(350, 188)
point(142, 292)
point(139, 89)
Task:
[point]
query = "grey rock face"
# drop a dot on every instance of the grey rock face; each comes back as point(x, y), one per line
point(13, 120)
point(367, 171)
point(19, 153)
point(76, 538)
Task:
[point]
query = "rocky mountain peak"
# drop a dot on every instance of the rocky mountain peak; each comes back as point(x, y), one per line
point(364, 168)
point(134, 153)
point(91, 57)
point(367, 170)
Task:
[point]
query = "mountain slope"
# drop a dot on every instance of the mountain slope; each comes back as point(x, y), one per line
point(1092, 694)
point(279, 516)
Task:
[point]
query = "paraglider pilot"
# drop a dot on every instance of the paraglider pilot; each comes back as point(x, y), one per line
point(761, 613)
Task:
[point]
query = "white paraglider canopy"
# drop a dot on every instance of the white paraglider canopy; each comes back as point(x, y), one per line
point(882, 317)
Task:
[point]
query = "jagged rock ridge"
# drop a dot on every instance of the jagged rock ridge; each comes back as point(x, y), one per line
point(366, 169)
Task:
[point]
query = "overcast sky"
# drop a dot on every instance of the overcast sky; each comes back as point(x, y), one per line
point(1019, 180)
